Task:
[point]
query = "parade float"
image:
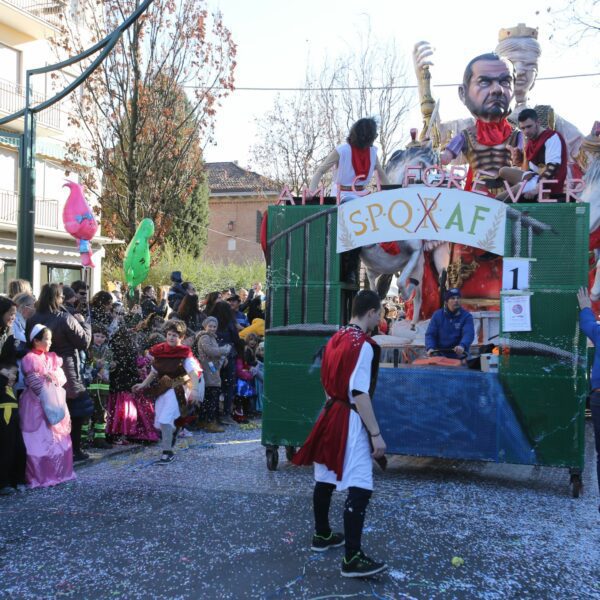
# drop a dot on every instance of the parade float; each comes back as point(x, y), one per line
point(449, 220)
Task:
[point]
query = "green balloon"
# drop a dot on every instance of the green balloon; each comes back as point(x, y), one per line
point(137, 257)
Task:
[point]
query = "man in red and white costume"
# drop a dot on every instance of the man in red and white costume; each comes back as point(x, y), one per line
point(544, 157)
point(346, 436)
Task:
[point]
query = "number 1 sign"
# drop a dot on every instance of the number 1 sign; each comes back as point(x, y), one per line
point(515, 273)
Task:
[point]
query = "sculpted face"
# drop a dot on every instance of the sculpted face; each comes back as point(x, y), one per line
point(490, 91)
point(526, 73)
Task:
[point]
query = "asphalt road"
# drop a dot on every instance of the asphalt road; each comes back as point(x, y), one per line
point(217, 524)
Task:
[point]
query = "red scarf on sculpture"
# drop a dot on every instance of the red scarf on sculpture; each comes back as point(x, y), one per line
point(164, 350)
point(361, 161)
point(326, 443)
point(493, 134)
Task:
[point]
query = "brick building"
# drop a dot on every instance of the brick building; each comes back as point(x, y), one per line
point(238, 199)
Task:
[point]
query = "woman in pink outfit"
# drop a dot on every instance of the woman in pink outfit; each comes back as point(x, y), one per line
point(49, 449)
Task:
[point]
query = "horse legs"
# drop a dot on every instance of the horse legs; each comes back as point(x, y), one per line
point(384, 281)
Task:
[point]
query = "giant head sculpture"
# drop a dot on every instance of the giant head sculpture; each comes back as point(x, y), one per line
point(488, 87)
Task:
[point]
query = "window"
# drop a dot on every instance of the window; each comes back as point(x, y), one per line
point(50, 178)
point(10, 272)
point(10, 64)
point(9, 170)
point(231, 244)
point(59, 274)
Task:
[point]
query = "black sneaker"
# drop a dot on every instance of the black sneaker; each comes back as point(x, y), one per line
point(167, 457)
point(321, 543)
point(361, 566)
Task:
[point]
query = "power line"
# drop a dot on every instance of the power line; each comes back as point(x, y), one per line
point(359, 88)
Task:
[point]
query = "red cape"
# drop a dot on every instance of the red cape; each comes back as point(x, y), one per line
point(534, 147)
point(326, 443)
point(165, 351)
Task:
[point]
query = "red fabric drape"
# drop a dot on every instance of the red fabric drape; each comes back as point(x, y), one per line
point(361, 161)
point(326, 443)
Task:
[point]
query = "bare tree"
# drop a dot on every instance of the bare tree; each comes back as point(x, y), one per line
point(299, 131)
point(579, 18)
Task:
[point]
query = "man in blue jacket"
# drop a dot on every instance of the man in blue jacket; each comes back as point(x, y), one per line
point(451, 330)
point(587, 322)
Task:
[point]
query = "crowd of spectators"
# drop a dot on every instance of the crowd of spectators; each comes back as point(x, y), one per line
point(72, 367)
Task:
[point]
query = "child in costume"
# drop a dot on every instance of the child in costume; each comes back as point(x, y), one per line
point(49, 448)
point(130, 415)
point(12, 447)
point(98, 365)
point(177, 376)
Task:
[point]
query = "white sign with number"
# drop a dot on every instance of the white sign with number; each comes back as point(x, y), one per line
point(515, 273)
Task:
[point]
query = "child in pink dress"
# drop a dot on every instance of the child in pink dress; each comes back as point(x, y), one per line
point(49, 449)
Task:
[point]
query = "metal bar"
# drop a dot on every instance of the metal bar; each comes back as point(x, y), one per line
point(304, 308)
point(286, 291)
point(327, 267)
point(309, 219)
point(110, 41)
point(529, 241)
point(26, 217)
point(516, 237)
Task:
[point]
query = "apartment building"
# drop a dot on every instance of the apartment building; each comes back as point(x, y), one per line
point(25, 26)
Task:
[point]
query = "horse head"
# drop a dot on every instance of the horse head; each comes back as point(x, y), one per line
point(416, 154)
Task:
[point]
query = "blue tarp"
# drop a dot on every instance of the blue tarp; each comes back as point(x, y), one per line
point(450, 413)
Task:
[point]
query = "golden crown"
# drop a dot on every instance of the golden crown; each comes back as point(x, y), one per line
point(521, 30)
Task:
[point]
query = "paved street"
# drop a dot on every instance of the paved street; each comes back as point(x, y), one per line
point(217, 524)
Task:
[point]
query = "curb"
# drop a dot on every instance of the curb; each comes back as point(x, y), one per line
point(94, 460)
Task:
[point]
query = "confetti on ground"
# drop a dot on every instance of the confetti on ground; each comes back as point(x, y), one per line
point(217, 524)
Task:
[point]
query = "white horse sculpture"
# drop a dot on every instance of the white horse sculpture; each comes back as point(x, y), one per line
point(381, 266)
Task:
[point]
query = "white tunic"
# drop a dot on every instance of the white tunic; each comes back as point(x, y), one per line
point(345, 175)
point(358, 463)
point(166, 408)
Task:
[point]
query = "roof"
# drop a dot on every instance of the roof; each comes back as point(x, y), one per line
point(228, 178)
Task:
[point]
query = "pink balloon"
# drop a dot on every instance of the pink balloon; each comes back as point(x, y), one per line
point(79, 221)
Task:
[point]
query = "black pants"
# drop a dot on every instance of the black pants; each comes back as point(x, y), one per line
point(210, 406)
point(355, 509)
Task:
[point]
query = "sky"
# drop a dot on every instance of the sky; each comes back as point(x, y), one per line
point(277, 38)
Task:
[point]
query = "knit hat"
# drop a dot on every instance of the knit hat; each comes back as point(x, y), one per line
point(210, 320)
point(452, 293)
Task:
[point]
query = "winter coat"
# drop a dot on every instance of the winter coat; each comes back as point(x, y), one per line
point(447, 330)
point(150, 306)
point(208, 350)
point(587, 322)
point(176, 295)
point(230, 336)
point(69, 336)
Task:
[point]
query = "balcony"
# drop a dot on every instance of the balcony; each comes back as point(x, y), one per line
point(49, 11)
point(47, 212)
point(12, 99)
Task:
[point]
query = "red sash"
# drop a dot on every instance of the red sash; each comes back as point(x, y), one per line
point(326, 443)
point(361, 161)
point(533, 153)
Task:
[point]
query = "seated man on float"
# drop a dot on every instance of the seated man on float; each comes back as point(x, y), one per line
point(544, 158)
point(451, 330)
